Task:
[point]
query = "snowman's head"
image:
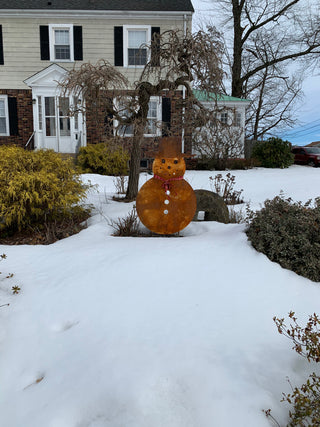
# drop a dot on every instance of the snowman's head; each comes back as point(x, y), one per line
point(169, 167)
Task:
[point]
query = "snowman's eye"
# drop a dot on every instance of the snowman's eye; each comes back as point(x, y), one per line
point(163, 161)
point(175, 162)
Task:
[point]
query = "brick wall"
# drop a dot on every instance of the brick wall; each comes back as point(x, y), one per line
point(25, 116)
point(98, 132)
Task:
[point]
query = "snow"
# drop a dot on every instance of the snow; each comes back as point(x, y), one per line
point(153, 332)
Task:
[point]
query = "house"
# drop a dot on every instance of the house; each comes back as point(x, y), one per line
point(228, 131)
point(41, 40)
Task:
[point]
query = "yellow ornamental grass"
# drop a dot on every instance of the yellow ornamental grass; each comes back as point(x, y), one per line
point(36, 187)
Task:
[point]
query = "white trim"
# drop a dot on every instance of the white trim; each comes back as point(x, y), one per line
point(126, 29)
point(51, 74)
point(105, 14)
point(6, 112)
point(52, 28)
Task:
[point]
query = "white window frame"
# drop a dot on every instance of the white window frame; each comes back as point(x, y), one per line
point(6, 112)
point(158, 119)
point(126, 29)
point(238, 119)
point(52, 28)
point(158, 132)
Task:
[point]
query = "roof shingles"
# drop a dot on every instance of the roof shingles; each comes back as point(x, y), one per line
point(134, 5)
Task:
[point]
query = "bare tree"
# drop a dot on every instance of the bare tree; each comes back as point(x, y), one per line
point(267, 36)
point(177, 61)
point(215, 139)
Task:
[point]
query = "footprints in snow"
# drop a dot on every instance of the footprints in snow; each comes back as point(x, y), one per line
point(63, 326)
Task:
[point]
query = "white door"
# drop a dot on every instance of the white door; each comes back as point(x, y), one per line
point(60, 132)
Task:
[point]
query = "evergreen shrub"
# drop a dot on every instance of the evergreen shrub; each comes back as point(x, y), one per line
point(103, 159)
point(273, 153)
point(288, 233)
point(37, 187)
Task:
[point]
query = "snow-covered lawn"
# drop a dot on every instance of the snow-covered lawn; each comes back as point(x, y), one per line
point(153, 332)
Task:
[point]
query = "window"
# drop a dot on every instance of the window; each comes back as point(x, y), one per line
point(224, 118)
point(136, 50)
point(61, 42)
point(4, 116)
point(39, 112)
point(238, 119)
point(153, 119)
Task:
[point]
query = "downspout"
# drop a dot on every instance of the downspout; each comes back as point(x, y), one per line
point(183, 91)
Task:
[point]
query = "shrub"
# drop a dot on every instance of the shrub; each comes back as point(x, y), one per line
point(305, 399)
point(273, 153)
point(103, 159)
point(36, 187)
point(224, 187)
point(127, 226)
point(288, 233)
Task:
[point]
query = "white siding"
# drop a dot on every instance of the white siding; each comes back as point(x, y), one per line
point(21, 44)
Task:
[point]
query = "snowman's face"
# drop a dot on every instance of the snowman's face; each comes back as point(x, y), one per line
point(167, 168)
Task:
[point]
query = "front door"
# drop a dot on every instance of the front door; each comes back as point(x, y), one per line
point(60, 132)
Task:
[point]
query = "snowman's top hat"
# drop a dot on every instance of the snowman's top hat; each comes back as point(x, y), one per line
point(169, 147)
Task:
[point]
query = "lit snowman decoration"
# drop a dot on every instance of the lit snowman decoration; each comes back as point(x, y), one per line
point(167, 203)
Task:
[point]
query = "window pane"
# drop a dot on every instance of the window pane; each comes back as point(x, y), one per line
point(136, 38)
point(64, 124)
point(40, 112)
point(61, 36)
point(2, 109)
point(63, 106)
point(137, 56)
point(62, 52)
point(3, 128)
point(76, 116)
point(152, 113)
point(50, 126)
point(151, 128)
point(49, 106)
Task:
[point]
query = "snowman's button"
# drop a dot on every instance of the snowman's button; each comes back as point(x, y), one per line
point(168, 192)
point(166, 202)
point(166, 212)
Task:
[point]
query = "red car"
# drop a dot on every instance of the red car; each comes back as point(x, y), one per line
point(307, 155)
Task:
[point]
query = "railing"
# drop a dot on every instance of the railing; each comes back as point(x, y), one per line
point(30, 143)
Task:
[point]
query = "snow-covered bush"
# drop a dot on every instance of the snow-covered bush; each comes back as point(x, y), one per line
point(288, 233)
point(37, 188)
point(306, 398)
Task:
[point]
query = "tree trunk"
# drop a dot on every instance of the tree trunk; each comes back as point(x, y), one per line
point(133, 181)
point(237, 89)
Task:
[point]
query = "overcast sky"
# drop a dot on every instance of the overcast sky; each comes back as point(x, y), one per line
point(308, 110)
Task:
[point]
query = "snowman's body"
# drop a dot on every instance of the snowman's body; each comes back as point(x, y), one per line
point(166, 203)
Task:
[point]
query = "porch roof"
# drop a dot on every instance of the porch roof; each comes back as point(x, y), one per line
point(203, 96)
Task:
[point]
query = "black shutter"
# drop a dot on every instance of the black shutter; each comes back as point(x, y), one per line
point(1, 47)
point(166, 116)
point(44, 42)
point(13, 116)
point(155, 46)
point(77, 43)
point(118, 46)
